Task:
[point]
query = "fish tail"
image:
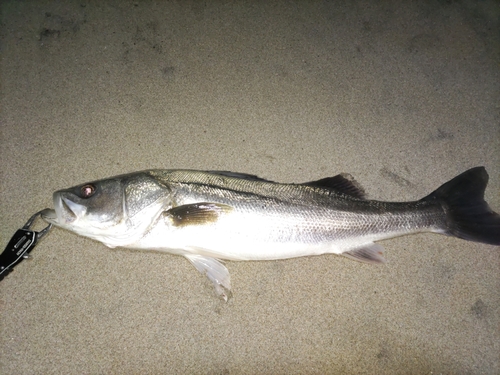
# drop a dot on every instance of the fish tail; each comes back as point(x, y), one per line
point(468, 216)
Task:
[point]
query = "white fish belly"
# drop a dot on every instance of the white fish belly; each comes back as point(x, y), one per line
point(254, 236)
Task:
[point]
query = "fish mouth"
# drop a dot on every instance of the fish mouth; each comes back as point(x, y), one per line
point(49, 216)
point(66, 211)
point(73, 209)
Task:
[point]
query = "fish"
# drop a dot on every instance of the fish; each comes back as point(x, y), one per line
point(212, 216)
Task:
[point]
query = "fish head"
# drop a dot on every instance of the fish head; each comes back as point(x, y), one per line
point(116, 211)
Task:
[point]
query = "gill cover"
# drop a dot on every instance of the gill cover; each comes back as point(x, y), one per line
point(142, 190)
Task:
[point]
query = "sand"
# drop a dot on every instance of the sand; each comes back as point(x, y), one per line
point(402, 95)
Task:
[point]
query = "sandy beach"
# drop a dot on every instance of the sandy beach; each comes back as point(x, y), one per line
point(402, 95)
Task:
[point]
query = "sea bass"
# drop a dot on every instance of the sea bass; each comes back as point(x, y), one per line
point(207, 216)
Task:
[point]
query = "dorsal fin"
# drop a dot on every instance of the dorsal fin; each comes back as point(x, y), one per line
point(343, 183)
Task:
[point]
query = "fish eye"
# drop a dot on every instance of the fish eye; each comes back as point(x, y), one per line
point(87, 190)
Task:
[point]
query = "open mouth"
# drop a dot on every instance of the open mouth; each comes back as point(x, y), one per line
point(66, 211)
point(49, 216)
point(76, 210)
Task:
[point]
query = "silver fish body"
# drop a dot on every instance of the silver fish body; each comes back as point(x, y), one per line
point(206, 216)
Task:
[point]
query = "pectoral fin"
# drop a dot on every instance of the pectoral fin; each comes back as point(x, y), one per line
point(197, 213)
point(215, 271)
point(370, 253)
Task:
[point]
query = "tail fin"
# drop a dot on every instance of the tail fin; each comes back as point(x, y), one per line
point(467, 214)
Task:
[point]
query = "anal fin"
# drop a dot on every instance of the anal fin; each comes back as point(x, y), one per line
point(370, 253)
point(215, 271)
